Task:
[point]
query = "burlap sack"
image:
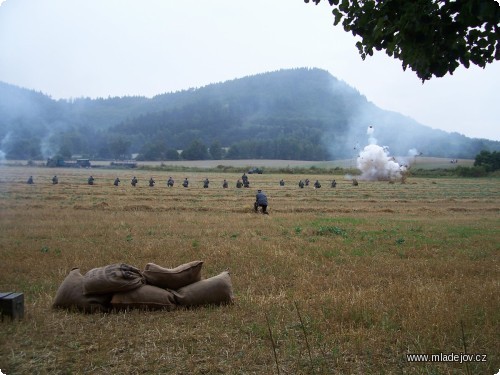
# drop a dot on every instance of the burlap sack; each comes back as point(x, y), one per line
point(70, 295)
point(173, 278)
point(146, 297)
point(112, 279)
point(215, 290)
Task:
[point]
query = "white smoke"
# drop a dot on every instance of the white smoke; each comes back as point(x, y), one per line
point(375, 163)
point(410, 159)
point(371, 138)
point(47, 147)
point(3, 144)
point(413, 152)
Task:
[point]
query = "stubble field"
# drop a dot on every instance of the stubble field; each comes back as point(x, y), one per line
point(347, 280)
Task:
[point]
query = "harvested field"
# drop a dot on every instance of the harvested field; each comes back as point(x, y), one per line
point(416, 162)
point(348, 280)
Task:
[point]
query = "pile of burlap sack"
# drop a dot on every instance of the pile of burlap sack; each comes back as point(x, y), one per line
point(121, 286)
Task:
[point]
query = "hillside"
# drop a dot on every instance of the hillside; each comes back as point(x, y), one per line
point(296, 114)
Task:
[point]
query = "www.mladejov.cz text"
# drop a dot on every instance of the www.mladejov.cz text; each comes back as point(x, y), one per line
point(447, 357)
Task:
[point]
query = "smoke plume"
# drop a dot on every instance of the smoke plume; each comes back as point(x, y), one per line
point(3, 144)
point(375, 163)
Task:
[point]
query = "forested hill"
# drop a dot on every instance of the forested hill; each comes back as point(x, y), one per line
point(304, 114)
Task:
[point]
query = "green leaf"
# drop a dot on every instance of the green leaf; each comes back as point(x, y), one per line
point(338, 16)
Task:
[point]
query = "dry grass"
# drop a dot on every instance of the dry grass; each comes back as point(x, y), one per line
point(350, 279)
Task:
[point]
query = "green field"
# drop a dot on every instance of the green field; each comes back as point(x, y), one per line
point(347, 280)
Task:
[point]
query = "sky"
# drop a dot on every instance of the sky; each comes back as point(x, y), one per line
point(100, 48)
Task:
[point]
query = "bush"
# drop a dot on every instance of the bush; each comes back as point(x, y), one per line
point(471, 171)
point(489, 160)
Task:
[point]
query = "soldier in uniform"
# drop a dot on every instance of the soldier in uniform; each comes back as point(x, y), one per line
point(224, 184)
point(334, 183)
point(151, 182)
point(261, 201)
point(55, 180)
point(354, 182)
point(185, 183)
point(134, 181)
point(307, 182)
point(117, 182)
point(239, 184)
point(90, 180)
point(301, 184)
point(317, 185)
point(246, 183)
point(30, 181)
point(282, 183)
point(170, 182)
point(205, 183)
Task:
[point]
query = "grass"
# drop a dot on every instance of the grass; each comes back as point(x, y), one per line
point(347, 280)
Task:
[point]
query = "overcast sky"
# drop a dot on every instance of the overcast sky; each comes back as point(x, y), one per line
point(101, 48)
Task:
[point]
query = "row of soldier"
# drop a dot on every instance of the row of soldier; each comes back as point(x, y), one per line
point(244, 182)
point(152, 182)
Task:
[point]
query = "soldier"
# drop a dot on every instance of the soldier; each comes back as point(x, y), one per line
point(170, 182)
point(282, 183)
point(244, 178)
point(117, 182)
point(90, 180)
point(185, 183)
point(317, 185)
point(334, 183)
point(55, 180)
point(205, 183)
point(301, 184)
point(134, 181)
point(224, 184)
point(354, 182)
point(30, 181)
point(260, 201)
point(307, 182)
point(239, 184)
point(151, 182)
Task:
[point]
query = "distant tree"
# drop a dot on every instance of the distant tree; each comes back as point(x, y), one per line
point(23, 148)
point(432, 37)
point(216, 151)
point(171, 154)
point(233, 152)
point(280, 148)
point(195, 151)
point(489, 160)
point(153, 151)
point(71, 141)
point(118, 147)
point(65, 151)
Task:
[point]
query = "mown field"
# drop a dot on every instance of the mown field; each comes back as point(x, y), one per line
point(334, 281)
point(416, 162)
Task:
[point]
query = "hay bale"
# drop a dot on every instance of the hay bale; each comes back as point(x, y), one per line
point(70, 295)
point(147, 297)
point(215, 290)
point(173, 278)
point(114, 278)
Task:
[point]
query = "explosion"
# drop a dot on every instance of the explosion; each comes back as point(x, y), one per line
point(375, 163)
